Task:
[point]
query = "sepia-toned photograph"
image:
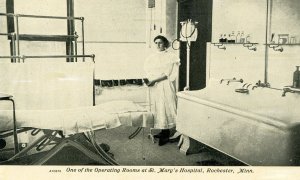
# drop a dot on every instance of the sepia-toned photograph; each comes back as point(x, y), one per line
point(164, 87)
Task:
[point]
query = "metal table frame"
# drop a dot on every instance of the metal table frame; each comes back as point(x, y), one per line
point(7, 97)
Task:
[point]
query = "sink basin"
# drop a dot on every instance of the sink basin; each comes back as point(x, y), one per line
point(264, 102)
point(258, 128)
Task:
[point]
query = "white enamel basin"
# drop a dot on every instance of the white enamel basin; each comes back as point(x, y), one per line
point(261, 101)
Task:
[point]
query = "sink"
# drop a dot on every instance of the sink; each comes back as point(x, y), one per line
point(264, 102)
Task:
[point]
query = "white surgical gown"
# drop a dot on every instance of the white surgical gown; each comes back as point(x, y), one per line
point(163, 94)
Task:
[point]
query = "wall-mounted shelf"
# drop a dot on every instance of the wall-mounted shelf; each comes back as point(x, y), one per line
point(248, 45)
point(278, 47)
point(296, 44)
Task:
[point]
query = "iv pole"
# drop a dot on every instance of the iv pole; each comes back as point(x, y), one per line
point(188, 34)
point(188, 50)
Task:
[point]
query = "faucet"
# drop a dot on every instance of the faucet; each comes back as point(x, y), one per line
point(235, 80)
point(254, 87)
point(223, 47)
point(280, 49)
point(226, 80)
point(290, 89)
point(252, 48)
point(246, 85)
point(260, 84)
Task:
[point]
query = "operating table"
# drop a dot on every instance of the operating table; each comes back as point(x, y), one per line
point(56, 100)
point(69, 124)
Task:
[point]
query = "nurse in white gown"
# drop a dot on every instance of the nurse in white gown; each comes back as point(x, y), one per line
point(161, 70)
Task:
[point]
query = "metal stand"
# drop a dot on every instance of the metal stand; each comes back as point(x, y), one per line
point(87, 145)
point(7, 97)
point(135, 133)
point(188, 48)
point(138, 130)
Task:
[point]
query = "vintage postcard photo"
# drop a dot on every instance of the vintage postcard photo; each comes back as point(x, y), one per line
point(149, 88)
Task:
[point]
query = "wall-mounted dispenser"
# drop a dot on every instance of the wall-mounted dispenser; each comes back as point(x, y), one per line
point(188, 34)
point(188, 31)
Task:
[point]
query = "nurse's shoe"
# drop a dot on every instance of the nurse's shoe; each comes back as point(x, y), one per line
point(163, 141)
point(163, 133)
point(164, 137)
point(157, 136)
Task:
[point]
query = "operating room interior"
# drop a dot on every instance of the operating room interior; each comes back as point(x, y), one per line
point(73, 87)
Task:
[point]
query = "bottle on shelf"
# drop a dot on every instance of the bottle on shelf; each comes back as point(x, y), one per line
point(272, 38)
point(247, 39)
point(221, 39)
point(237, 37)
point(296, 78)
point(242, 37)
point(293, 40)
point(225, 38)
point(231, 37)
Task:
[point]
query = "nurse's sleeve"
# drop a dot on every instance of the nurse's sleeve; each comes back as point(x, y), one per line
point(172, 71)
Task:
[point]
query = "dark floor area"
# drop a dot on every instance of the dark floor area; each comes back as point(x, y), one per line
point(138, 151)
point(142, 151)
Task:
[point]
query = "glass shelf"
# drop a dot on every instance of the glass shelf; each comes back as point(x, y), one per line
point(278, 47)
point(249, 45)
point(233, 43)
point(294, 44)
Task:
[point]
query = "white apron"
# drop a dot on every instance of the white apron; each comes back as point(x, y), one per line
point(163, 94)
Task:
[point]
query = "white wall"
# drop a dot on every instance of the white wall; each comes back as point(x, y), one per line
point(285, 20)
point(239, 15)
point(250, 17)
point(4, 47)
point(237, 61)
point(115, 31)
point(164, 18)
point(42, 26)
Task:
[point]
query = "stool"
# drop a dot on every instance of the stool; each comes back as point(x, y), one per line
point(7, 97)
